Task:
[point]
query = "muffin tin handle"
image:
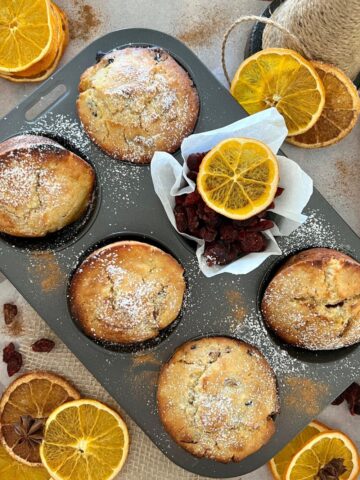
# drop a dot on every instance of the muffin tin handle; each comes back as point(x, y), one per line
point(45, 102)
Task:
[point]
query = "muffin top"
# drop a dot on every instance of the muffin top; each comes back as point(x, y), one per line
point(136, 101)
point(313, 301)
point(43, 186)
point(217, 397)
point(127, 292)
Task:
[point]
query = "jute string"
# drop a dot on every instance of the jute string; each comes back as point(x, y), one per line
point(299, 46)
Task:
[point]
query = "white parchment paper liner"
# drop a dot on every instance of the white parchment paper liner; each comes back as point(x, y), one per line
point(170, 179)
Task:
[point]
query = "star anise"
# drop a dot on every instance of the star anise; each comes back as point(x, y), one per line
point(29, 430)
point(332, 470)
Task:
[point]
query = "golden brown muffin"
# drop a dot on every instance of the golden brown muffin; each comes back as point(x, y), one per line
point(127, 292)
point(43, 186)
point(217, 398)
point(136, 101)
point(313, 301)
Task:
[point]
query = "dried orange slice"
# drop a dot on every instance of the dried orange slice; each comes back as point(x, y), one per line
point(41, 70)
point(43, 64)
point(24, 407)
point(328, 450)
point(25, 33)
point(84, 439)
point(281, 78)
point(11, 469)
point(340, 114)
point(238, 178)
point(280, 463)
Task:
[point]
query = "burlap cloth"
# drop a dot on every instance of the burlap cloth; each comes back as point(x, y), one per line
point(145, 461)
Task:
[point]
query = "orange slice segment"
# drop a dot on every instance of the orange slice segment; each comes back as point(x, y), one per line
point(238, 178)
point(280, 463)
point(25, 33)
point(281, 78)
point(340, 114)
point(24, 407)
point(320, 453)
point(84, 439)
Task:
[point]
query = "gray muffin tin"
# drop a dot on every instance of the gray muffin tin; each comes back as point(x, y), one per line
point(126, 206)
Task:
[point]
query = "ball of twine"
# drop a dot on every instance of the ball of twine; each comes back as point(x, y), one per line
point(330, 29)
point(327, 31)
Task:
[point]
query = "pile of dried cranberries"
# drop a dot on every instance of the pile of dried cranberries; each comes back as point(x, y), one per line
point(225, 239)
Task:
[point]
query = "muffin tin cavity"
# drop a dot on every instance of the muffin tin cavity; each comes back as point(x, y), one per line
point(61, 238)
point(139, 346)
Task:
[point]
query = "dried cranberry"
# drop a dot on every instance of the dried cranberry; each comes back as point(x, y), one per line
point(228, 233)
point(8, 351)
point(192, 175)
point(179, 199)
point(251, 242)
point(192, 198)
point(181, 221)
point(10, 312)
point(207, 215)
point(352, 396)
point(208, 234)
point(14, 364)
point(279, 191)
point(216, 253)
point(233, 253)
point(192, 218)
point(261, 226)
point(194, 160)
point(44, 345)
point(240, 224)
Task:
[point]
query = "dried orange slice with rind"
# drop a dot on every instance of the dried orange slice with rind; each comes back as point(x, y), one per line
point(319, 452)
point(84, 439)
point(43, 64)
point(238, 178)
point(281, 78)
point(33, 395)
point(25, 33)
point(43, 74)
point(280, 463)
point(340, 114)
point(11, 469)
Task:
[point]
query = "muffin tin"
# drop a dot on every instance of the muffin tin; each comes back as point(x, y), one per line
point(126, 206)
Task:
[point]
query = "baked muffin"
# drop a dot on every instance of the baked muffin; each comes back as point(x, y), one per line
point(313, 301)
point(43, 186)
point(136, 101)
point(127, 292)
point(217, 398)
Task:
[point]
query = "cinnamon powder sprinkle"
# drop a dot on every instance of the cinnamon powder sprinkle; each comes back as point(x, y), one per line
point(46, 270)
point(141, 359)
point(238, 309)
point(304, 395)
point(84, 21)
point(201, 33)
